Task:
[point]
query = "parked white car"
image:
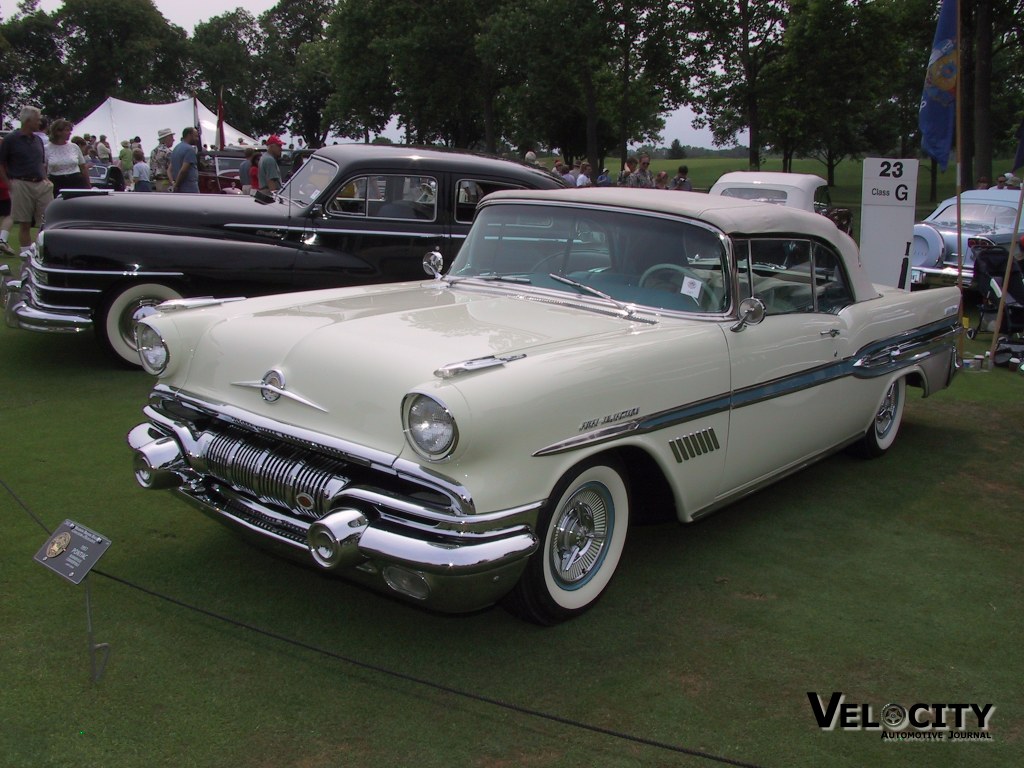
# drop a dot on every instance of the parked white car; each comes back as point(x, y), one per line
point(591, 356)
point(793, 190)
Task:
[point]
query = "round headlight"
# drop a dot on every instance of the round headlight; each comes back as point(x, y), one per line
point(429, 426)
point(152, 350)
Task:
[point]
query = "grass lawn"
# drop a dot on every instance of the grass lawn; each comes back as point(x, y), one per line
point(896, 580)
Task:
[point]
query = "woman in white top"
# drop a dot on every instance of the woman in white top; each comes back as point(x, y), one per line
point(64, 160)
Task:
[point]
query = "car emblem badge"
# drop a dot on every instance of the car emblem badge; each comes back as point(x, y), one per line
point(273, 382)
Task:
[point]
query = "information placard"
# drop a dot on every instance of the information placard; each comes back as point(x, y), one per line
point(72, 550)
point(888, 200)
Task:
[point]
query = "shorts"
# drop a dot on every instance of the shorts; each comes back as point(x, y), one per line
point(29, 199)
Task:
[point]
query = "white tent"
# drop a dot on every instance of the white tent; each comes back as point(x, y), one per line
point(124, 120)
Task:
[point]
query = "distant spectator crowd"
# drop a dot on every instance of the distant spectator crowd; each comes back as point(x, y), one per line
point(635, 173)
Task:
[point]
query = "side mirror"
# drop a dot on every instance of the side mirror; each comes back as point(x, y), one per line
point(752, 312)
point(433, 263)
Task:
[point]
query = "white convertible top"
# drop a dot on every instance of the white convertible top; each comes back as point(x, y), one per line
point(731, 215)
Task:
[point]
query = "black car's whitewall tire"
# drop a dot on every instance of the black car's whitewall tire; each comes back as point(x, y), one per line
point(122, 312)
point(582, 531)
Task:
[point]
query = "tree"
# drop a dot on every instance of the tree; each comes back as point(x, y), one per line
point(120, 48)
point(223, 50)
point(292, 92)
point(31, 63)
point(444, 90)
point(731, 43)
point(835, 111)
point(676, 151)
point(358, 70)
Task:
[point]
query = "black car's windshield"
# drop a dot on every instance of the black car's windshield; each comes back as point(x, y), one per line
point(306, 184)
point(634, 258)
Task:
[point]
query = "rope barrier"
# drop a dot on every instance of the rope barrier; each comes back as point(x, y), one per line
point(519, 709)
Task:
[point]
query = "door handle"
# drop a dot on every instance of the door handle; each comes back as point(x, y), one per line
point(833, 332)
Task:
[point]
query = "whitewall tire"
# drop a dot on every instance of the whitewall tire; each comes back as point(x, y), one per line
point(888, 417)
point(122, 312)
point(582, 532)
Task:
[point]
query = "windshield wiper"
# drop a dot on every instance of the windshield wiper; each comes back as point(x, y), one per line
point(628, 309)
point(491, 277)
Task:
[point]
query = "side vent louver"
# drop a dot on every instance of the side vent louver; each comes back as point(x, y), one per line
point(694, 444)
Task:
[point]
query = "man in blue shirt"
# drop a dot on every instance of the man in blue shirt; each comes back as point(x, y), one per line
point(23, 167)
point(184, 166)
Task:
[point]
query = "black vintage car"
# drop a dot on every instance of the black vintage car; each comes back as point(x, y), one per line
point(352, 214)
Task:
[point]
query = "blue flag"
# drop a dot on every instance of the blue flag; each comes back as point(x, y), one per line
point(937, 118)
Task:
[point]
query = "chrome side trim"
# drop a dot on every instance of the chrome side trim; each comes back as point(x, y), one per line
point(914, 348)
point(642, 425)
point(337, 230)
point(174, 305)
point(58, 289)
point(36, 264)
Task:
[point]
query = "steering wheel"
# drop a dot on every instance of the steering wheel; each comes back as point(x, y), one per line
point(649, 279)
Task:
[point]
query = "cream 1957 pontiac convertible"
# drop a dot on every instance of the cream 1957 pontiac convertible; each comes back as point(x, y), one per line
point(591, 357)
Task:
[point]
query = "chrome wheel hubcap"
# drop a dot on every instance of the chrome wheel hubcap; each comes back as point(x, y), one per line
point(887, 412)
point(581, 534)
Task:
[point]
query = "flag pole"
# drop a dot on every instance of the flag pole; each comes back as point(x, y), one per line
point(959, 112)
point(1014, 250)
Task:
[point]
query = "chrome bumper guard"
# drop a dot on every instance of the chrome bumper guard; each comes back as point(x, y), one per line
point(941, 277)
point(20, 312)
point(323, 510)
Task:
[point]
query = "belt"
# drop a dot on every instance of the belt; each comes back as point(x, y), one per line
point(27, 178)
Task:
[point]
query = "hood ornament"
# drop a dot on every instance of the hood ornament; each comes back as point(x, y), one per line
point(272, 389)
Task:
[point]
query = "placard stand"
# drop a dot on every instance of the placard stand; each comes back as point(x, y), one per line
point(71, 551)
point(99, 653)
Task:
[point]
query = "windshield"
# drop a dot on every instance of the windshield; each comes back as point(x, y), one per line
point(977, 216)
point(636, 258)
point(306, 184)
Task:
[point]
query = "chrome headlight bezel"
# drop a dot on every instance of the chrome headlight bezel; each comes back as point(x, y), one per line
point(154, 353)
point(423, 415)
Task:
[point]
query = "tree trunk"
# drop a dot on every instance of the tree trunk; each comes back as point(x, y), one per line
point(983, 89)
point(590, 98)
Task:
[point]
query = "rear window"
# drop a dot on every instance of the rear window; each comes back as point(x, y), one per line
point(757, 194)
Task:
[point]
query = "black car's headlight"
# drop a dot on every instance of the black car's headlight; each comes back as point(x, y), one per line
point(429, 426)
point(153, 351)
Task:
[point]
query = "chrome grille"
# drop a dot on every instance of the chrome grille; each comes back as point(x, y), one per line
point(276, 473)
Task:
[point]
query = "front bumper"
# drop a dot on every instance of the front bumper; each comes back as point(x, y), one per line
point(339, 512)
point(22, 311)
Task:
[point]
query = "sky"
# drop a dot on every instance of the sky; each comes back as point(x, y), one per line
point(186, 13)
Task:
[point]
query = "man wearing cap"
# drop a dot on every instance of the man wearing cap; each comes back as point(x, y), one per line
point(269, 170)
point(160, 160)
point(184, 165)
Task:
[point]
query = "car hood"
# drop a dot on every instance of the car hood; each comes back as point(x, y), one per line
point(349, 356)
point(153, 211)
